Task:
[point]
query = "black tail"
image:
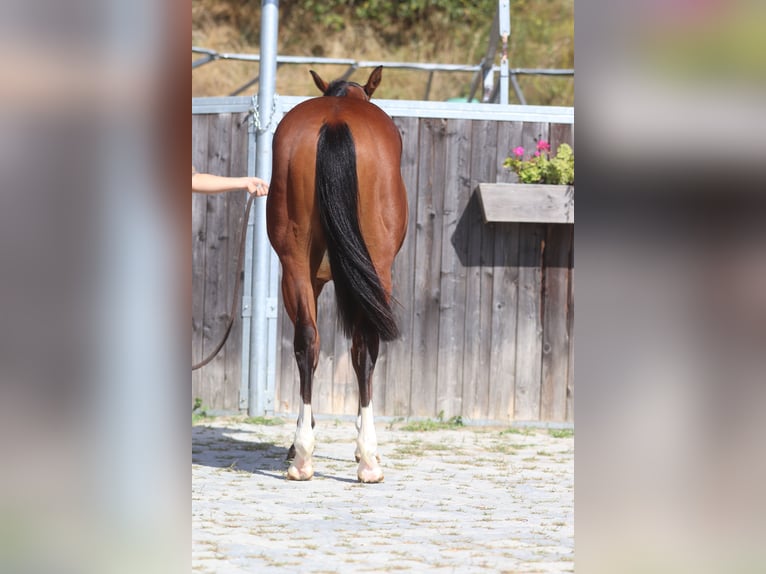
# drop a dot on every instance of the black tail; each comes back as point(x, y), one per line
point(360, 296)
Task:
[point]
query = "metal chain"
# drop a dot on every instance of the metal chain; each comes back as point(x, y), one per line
point(255, 115)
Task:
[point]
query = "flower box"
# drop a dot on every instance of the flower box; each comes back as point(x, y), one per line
point(526, 202)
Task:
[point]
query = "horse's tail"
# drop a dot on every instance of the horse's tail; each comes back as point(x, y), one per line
point(358, 291)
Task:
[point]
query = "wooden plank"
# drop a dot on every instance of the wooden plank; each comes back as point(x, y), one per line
point(530, 203)
point(345, 385)
point(451, 318)
point(324, 383)
point(531, 134)
point(216, 281)
point(399, 380)
point(529, 327)
point(502, 368)
point(555, 358)
point(236, 202)
point(487, 284)
point(564, 133)
point(560, 133)
point(479, 279)
point(509, 136)
point(288, 383)
point(281, 405)
point(515, 139)
point(425, 337)
point(199, 209)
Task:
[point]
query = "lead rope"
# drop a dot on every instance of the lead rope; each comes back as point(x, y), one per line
point(237, 283)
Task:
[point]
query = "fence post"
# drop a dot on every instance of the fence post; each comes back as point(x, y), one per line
point(260, 392)
point(504, 7)
point(247, 285)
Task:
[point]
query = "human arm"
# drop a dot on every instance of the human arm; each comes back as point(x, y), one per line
point(209, 183)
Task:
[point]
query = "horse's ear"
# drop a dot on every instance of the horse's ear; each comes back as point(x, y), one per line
point(374, 81)
point(320, 83)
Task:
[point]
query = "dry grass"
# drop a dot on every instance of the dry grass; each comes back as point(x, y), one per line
point(543, 37)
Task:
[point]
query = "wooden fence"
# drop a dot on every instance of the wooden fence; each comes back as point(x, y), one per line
point(486, 309)
point(219, 146)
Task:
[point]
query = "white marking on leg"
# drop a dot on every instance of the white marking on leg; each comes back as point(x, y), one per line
point(367, 448)
point(302, 467)
point(358, 425)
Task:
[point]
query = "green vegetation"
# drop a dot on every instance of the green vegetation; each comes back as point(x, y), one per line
point(199, 412)
point(440, 31)
point(541, 167)
point(517, 430)
point(432, 425)
point(561, 433)
point(264, 421)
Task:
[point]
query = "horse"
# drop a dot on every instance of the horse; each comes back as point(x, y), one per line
point(337, 210)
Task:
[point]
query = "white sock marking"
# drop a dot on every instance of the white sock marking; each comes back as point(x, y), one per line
point(367, 441)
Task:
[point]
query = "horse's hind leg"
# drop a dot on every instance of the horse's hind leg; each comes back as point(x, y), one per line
point(306, 346)
point(364, 353)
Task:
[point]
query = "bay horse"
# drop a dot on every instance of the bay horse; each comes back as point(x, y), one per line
point(337, 210)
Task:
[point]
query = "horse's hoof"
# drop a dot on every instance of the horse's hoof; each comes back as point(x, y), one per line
point(369, 473)
point(305, 473)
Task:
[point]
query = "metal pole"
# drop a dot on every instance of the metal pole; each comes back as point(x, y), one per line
point(258, 402)
point(247, 285)
point(488, 59)
point(517, 89)
point(504, 7)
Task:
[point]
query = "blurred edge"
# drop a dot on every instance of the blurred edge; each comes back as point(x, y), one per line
point(671, 288)
point(94, 117)
point(95, 283)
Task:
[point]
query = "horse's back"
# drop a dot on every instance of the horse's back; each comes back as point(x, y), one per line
point(377, 142)
point(300, 127)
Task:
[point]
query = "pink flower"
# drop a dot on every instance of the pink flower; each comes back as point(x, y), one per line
point(519, 151)
point(537, 154)
point(543, 145)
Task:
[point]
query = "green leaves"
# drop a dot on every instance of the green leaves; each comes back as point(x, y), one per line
point(541, 168)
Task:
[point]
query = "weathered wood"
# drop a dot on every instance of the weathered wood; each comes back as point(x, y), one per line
point(399, 375)
point(559, 134)
point(425, 337)
point(288, 383)
point(503, 342)
point(531, 134)
point(324, 399)
point(555, 299)
point(485, 309)
point(236, 211)
point(479, 255)
point(345, 385)
point(449, 399)
point(199, 219)
point(524, 202)
point(502, 368)
point(217, 280)
point(529, 327)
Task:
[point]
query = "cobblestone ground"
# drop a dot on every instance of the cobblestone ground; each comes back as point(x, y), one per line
point(470, 499)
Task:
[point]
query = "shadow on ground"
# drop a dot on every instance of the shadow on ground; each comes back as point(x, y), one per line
point(223, 447)
point(219, 447)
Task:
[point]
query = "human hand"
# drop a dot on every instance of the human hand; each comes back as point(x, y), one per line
point(256, 186)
